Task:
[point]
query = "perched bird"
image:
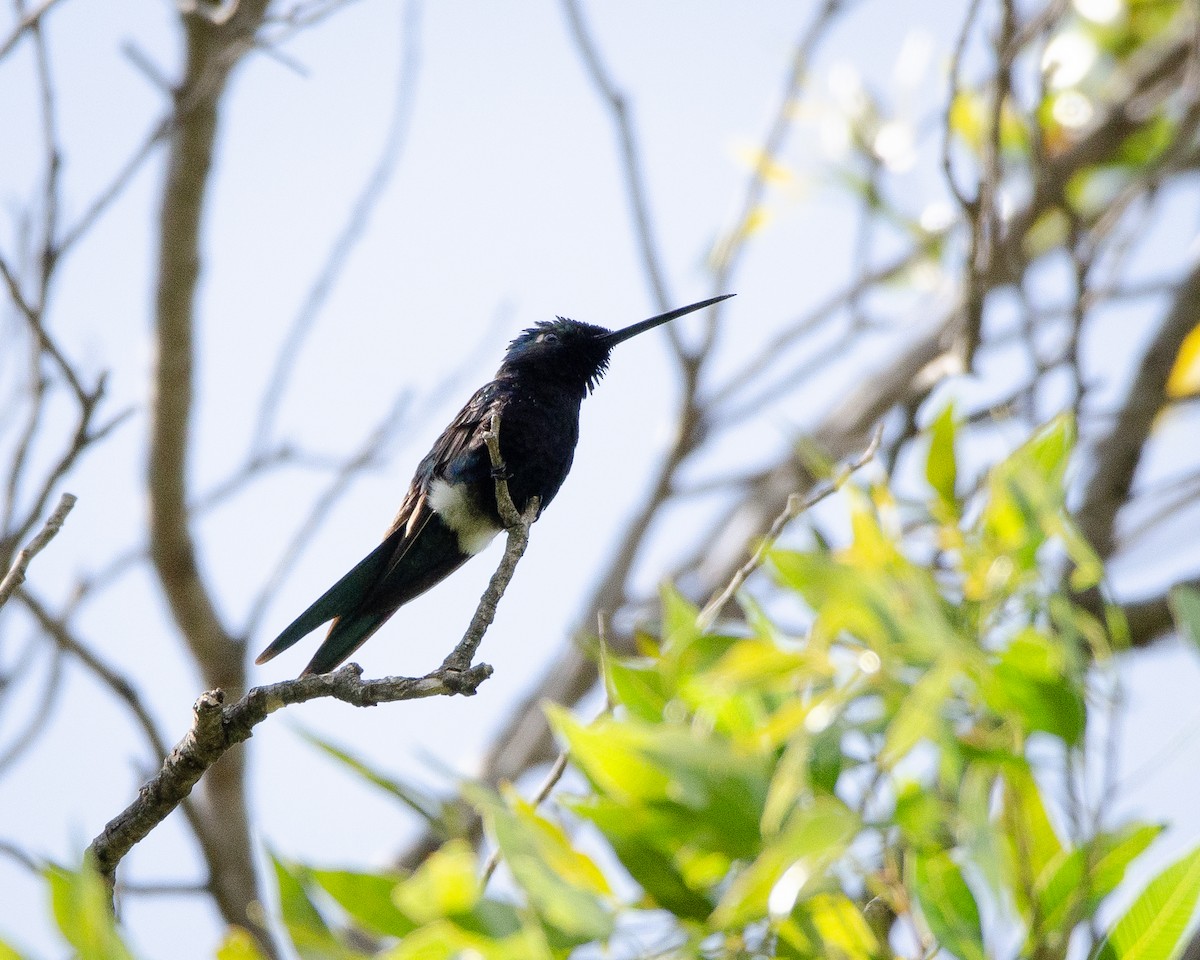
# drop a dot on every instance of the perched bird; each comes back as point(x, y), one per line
point(449, 513)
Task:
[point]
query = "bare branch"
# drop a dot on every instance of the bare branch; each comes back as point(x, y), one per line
point(216, 728)
point(212, 52)
point(29, 20)
point(16, 574)
point(518, 525)
point(1116, 455)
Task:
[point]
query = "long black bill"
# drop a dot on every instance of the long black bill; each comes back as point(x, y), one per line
point(617, 336)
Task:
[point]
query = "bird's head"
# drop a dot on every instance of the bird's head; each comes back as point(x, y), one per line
point(577, 353)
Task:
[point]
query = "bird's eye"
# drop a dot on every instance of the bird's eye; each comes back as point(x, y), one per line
point(549, 338)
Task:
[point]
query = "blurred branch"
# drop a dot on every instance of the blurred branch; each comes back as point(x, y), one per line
point(16, 574)
point(213, 51)
point(1115, 456)
point(116, 683)
point(728, 254)
point(106, 197)
point(796, 505)
point(771, 352)
point(47, 700)
point(30, 19)
point(352, 232)
point(343, 477)
point(635, 180)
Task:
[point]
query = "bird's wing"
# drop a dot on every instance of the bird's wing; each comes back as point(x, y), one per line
point(370, 584)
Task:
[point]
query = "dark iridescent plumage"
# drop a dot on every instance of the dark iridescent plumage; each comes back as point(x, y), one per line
point(449, 513)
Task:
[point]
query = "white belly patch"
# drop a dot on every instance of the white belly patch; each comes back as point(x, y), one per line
point(459, 512)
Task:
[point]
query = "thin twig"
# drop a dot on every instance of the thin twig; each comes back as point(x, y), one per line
point(351, 233)
point(635, 180)
point(559, 767)
point(28, 21)
point(796, 505)
point(517, 525)
point(16, 574)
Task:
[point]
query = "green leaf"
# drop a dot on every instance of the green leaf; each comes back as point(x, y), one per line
point(921, 817)
point(237, 945)
point(445, 885)
point(1185, 607)
point(82, 909)
point(922, 714)
point(306, 928)
point(1024, 507)
point(842, 927)
point(941, 470)
point(814, 837)
point(444, 940)
point(645, 841)
point(428, 808)
point(368, 898)
point(679, 616)
point(1153, 927)
point(947, 904)
point(563, 885)
point(1030, 682)
point(609, 754)
point(1090, 872)
point(639, 687)
point(1035, 843)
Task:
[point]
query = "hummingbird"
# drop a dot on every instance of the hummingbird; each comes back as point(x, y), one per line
point(449, 513)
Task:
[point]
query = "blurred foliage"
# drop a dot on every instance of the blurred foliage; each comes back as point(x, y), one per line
point(904, 775)
point(878, 783)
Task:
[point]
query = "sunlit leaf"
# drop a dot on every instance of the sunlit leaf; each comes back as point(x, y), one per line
point(1153, 927)
point(1035, 843)
point(762, 164)
point(609, 754)
point(842, 927)
point(1030, 684)
point(1048, 232)
point(1184, 379)
point(815, 836)
point(368, 898)
point(1090, 872)
point(82, 907)
point(921, 817)
point(639, 687)
point(238, 944)
point(445, 885)
point(644, 840)
point(562, 884)
point(8, 952)
point(921, 716)
point(306, 928)
point(941, 469)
